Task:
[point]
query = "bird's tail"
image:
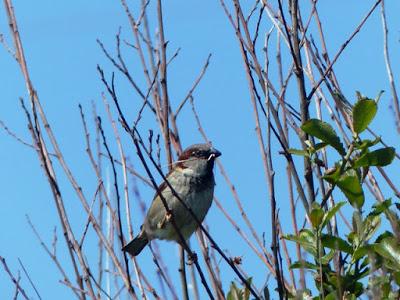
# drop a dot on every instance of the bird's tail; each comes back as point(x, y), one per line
point(135, 246)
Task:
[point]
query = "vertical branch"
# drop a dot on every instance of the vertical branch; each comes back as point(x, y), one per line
point(271, 185)
point(166, 132)
point(182, 272)
point(100, 216)
point(43, 153)
point(120, 232)
point(163, 80)
point(304, 102)
point(389, 67)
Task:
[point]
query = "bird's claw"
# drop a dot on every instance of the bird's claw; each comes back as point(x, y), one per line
point(168, 216)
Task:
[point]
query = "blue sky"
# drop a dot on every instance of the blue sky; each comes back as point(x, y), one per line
point(60, 46)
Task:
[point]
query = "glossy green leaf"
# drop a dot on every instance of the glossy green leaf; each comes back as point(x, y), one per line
point(306, 239)
point(371, 225)
point(304, 265)
point(381, 207)
point(382, 236)
point(332, 175)
point(364, 112)
point(319, 146)
point(350, 185)
point(364, 144)
point(298, 152)
point(360, 252)
point(326, 259)
point(236, 293)
point(324, 132)
point(389, 249)
point(316, 216)
point(336, 243)
point(381, 157)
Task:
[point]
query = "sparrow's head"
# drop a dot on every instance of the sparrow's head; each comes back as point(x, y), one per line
point(199, 157)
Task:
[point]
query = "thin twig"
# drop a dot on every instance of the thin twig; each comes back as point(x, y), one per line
point(29, 279)
point(13, 279)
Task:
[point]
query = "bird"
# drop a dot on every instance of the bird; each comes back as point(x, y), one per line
point(192, 179)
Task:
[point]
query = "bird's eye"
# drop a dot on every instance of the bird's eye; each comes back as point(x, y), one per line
point(198, 153)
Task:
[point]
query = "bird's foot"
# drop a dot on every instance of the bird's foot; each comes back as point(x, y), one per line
point(168, 216)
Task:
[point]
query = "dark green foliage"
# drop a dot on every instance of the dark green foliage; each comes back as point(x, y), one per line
point(367, 267)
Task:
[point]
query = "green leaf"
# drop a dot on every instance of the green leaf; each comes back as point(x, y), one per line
point(331, 296)
point(381, 207)
point(360, 252)
point(396, 276)
point(331, 213)
point(364, 112)
point(332, 175)
point(357, 228)
point(385, 235)
point(367, 143)
point(298, 152)
point(304, 265)
point(306, 239)
point(316, 216)
point(381, 157)
point(319, 146)
point(371, 225)
point(327, 257)
point(324, 132)
point(336, 243)
point(236, 293)
point(389, 249)
point(350, 185)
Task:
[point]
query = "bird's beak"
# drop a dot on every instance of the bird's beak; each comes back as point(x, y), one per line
point(214, 154)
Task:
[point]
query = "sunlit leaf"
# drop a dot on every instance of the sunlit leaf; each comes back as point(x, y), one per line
point(324, 132)
point(298, 152)
point(236, 293)
point(364, 112)
point(336, 243)
point(316, 216)
point(306, 239)
point(380, 207)
point(381, 157)
point(332, 175)
point(371, 225)
point(350, 185)
point(327, 257)
point(360, 252)
point(364, 144)
point(389, 249)
point(304, 265)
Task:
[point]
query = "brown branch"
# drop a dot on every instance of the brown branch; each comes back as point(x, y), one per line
point(389, 66)
point(13, 279)
point(52, 255)
point(195, 84)
point(344, 45)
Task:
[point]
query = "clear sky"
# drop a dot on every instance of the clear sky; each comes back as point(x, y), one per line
point(59, 38)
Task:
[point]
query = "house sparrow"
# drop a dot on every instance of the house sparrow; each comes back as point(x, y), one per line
point(192, 179)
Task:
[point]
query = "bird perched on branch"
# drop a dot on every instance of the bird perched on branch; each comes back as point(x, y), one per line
point(192, 179)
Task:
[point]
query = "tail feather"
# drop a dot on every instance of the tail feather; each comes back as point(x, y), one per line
point(135, 246)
